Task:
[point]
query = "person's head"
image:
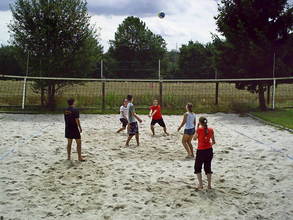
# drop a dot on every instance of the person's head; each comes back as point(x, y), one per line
point(130, 98)
point(155, 102)
point(204, 123)
point(71, 102)
point(189, 107)
point(125, 102)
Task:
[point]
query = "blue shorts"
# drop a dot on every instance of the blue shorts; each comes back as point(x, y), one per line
point(190, 131)
point(133, 128)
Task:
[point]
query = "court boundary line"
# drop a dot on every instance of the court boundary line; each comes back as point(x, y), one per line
point(25, 141)
point(260, 142)
point(269, 123)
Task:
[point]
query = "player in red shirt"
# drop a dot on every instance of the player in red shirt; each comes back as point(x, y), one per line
point(204, 153)
point(156, 115)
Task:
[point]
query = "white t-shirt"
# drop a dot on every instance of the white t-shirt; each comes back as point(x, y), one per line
point(123, 112)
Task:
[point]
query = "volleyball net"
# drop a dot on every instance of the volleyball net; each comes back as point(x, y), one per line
point(20, 92)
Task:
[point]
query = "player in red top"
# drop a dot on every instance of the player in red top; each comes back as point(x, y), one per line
point(156, 115)
point(204, 153)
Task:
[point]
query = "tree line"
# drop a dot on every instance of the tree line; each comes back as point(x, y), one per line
point(60, 42)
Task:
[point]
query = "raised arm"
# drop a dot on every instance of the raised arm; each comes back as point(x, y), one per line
point(183, 122)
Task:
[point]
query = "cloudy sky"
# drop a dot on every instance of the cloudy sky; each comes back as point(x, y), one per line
point(185, 19)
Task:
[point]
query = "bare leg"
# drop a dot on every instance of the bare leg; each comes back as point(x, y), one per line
point(78, 143)
point(128, 139)
point(209, 176)
point(121, 129)
point(184, 142)
point(165, 130)
point(190, 146)
point(69, 143)
point(199, 177)
point(137, 139)
point(153, 129)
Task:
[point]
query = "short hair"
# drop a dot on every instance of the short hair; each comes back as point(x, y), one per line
point(70, 101)
point(129, 97)
point(189, 106)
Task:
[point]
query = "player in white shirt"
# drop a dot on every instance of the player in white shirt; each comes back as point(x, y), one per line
point(123, 115)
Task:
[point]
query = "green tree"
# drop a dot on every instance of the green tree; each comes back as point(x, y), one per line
point(9, 61)
point(58, 36)
point(195, 61)
point(169, 65)
point(135, 50)
point(255, 30)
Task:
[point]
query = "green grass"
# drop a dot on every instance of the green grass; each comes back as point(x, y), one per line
point(282, 117)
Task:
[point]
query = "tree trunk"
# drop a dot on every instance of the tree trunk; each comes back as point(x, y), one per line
point(51, 97)
point(261, 98)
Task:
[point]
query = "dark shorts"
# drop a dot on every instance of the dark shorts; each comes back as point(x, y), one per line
point(133, 128)
point(124, 122)
point(203, 157)
point(159, 121)
point(189, 131)
point(72, 133)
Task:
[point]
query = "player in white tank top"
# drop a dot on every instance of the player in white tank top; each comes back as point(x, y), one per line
point(189, 120)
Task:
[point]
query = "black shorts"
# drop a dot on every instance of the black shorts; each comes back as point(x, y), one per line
point(203, 157)
point(133, 128)
point(190, 131)
point(159, 121)
point(72, 133)
point(124, 122)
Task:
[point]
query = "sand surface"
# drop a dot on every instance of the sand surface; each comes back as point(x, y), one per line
point(253, 179)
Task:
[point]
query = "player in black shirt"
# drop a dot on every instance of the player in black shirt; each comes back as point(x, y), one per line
point(72, 128)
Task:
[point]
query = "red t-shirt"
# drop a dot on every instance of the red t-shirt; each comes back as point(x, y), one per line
point(204, 140)
point(158, 114)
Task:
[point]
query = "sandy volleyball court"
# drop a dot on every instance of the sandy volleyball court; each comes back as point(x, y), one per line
point(252, 178)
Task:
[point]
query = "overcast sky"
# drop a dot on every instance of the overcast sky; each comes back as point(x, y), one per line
point(185, 19)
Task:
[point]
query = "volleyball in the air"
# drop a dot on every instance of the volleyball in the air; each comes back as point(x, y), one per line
point(161, 14)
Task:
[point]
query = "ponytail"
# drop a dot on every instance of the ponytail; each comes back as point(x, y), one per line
point(204, 122)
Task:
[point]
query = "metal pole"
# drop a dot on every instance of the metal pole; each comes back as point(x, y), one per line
point(159, 69)
point(274, 81)
point(274, 94)
point(103, 87)
point(24, 81)
point(160, 85)
point(217, 88)
point(102, 69)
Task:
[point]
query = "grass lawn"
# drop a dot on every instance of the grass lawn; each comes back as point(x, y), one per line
point(282, 117)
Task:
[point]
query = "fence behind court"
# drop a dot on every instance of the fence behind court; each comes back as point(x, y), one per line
point(22, 92)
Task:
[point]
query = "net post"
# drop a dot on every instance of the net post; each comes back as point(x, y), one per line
point(160, 84)
point(217, 88)
point(103, 87)
point(23, 94)
point(274, 94)
point(161, 92)
point(217, 94)
point(24, 81)
point(274, 80)
point(159, 70)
